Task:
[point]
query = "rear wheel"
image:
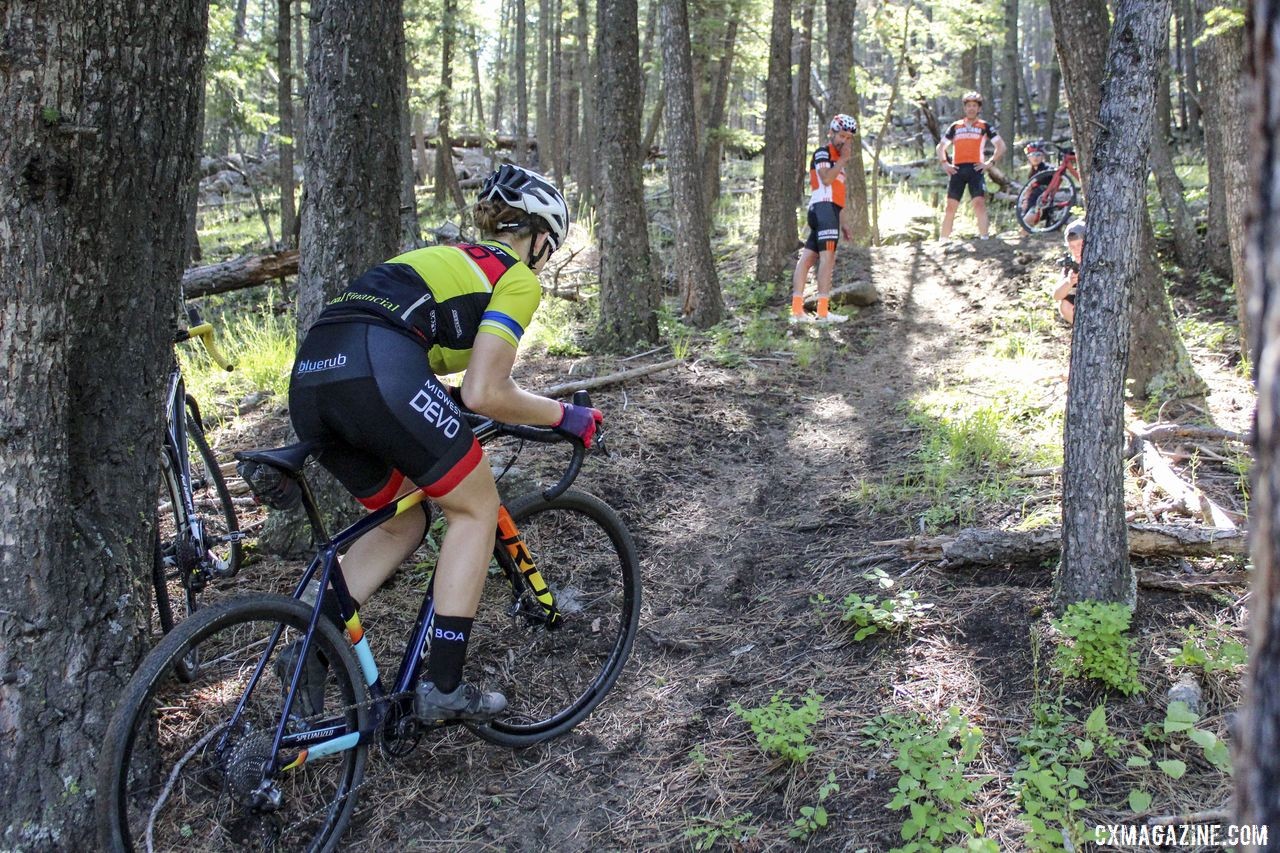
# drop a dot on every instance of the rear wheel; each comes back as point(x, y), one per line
point(1038, 214)
point(176, 774)
point(554, 677)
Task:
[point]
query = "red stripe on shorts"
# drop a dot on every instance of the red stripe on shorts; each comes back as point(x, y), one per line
point(386, 493)
point(457, 473)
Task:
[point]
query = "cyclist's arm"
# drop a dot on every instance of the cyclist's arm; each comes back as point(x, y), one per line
point(489, 390)
point(1000, 149)
point(942, 150)
point(828, 173)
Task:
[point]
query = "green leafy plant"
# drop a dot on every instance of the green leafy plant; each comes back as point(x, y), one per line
point(734, 829)
point(869, 614)
point(1181, 719)
point(933, 786)
point(781, 728)
point(1099, 648)
point(1209, 653)
point(1050, 782)
point(814, 818)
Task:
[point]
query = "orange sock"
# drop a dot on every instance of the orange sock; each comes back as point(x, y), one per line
point(797, 305)
point(823, 303)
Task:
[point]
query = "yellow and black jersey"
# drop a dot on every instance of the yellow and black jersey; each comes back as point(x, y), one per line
point(443, 296)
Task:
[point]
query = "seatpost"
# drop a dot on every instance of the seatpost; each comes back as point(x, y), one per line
point(313, 512)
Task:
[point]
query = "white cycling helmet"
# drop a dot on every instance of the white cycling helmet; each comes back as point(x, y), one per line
point(1076, 230)
point(844, 123)
point(524, 189)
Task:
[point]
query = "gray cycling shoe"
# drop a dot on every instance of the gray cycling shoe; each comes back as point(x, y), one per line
point(466, 703)
point(309, 700)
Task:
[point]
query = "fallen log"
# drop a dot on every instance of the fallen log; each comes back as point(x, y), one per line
point(238, 273)
point(610, 379)
point(989, 547)
point(1162, 475)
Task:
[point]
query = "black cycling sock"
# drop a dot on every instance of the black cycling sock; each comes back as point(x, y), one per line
point(448, 651)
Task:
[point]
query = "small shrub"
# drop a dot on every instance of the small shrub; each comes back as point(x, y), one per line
point(869, 614)
point(814, 818)
point(781, 728)
point(1099, 648)
point(734, 830)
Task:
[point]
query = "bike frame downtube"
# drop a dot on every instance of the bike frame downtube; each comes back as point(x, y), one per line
point(331, 575)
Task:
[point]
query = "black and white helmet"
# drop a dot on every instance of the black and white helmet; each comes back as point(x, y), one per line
point(524, 189)
point(1075, 231)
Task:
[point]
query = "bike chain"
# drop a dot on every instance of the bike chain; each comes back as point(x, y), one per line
point(390, 697)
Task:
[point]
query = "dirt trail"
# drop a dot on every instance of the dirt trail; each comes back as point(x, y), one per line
point(735, 483)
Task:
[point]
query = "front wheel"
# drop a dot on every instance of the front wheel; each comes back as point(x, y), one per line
point(553, 677)
point(181, 770)
point(1038, 210)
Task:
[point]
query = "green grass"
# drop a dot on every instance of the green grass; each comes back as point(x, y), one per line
point(261, 345)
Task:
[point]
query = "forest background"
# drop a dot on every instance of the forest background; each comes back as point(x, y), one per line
point(680, 134)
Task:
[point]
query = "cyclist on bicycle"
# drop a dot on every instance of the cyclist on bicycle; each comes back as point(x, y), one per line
point(966, 166)
point(365, 387)
point(1036, 152)
point(827, 182)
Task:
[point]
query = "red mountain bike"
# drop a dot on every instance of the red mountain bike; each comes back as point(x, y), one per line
point(1048, 198)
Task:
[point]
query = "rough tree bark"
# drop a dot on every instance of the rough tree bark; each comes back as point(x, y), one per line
point(447, 189)
point(1217, 240)
point(540, 83)
point(1172, 192)
point(713, 140)
point(1257, 754)
point(284, 103)
point(98, 108)
point(1008, 119)
point(696, 275)
point(1225, 87)
point(410, 232)
point(584, 165)
point(629, 294)
point(1095, 556)
point(800, 93)
point(777, 241)
point(844, 99)
point(1158, 362)
point(522, 86)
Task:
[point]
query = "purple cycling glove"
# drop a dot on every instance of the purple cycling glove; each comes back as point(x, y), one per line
point(579, 422)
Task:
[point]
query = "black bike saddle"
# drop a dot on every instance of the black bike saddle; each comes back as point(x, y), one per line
point(291, 458)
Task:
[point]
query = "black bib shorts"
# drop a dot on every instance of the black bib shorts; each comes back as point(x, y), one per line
point(367, 394)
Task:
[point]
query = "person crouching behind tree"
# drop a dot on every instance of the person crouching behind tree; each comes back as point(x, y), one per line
point(967, 165)
point(1065, 294)
point(827, 182)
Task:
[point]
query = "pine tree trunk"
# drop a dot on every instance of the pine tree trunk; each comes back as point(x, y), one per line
point(1008, 125)
point(716, 125)
point(284, 104)
point(555, 132)
point(629, 294)
point(1158, 363)
point(1172, 193)
point(585, 161)
point(1217, 239)
point(1257, 740)
point(1095, 556)
point(447, 189)
point(777, 242)
point(844, 99)
point(1224, 87)
point(695, 268)
point(540, 84)
point(351, 216)
point(1051, 103)
point(477, 88)
point(1191, 57)
point(522, 86)
point(98, 124)
point(800, 104)
point(410, 232)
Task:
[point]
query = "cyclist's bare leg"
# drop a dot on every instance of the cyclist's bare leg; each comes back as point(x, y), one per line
point(472, 512)
point(980, 211)
point(826, 267)
point(375, 556)
point(801, 275)
point(949, 218)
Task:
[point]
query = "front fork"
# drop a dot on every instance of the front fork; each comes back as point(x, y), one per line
point(512, 550)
